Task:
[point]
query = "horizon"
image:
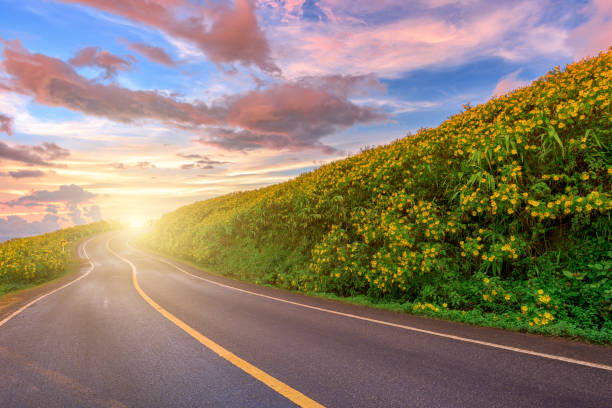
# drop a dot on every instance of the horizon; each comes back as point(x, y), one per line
point(127, 113)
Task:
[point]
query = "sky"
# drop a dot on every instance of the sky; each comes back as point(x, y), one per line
point(130, 109)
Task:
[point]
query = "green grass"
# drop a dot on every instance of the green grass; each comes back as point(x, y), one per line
point(6, 288)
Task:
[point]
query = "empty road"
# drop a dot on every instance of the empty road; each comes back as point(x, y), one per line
point(137, 330)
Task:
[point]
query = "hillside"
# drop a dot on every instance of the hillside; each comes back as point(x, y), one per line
point(30, 261)
point(499, 216)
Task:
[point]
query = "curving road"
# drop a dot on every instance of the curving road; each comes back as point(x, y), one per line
point(140, 331)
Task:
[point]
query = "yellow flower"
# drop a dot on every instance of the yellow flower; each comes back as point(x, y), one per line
point(524, 309)
point(544, 299)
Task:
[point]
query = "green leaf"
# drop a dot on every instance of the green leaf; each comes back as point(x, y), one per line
point(552, 132)
point(568, 274)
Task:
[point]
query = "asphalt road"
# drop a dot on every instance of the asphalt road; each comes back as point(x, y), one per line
point(164, 338)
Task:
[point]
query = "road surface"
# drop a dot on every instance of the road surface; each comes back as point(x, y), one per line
point(139, 331)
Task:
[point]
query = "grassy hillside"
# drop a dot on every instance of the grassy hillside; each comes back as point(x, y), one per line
point(29, 261)
point(499, 216)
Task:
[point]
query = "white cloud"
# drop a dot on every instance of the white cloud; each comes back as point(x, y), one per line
point(509, 83)
point(397, 106)
point(14, 226)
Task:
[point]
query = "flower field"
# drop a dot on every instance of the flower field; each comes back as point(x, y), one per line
point(43, 257)
point(499, 216)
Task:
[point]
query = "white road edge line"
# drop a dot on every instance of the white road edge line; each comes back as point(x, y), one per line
point(401, 326)
point(82, 246)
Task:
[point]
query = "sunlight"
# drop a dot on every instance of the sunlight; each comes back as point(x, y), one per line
point(136, 222)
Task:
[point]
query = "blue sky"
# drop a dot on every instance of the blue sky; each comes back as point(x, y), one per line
point(153, 105)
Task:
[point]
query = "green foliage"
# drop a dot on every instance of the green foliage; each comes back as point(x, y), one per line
point(43, 257)
point(500, 214)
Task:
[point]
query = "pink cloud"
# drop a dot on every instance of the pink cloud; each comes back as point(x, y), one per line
point(33, 155)
point(595, 35)
point(155, 54)
point(52, 82)
point(94, 57)
point(19, 174)
point(225, 34)
point(6, 124)
point(50, 151)
point(509, 83)
point(393, 46)
point(199, 162)
point(287, 115)
point(71, 196)
point(295, 115)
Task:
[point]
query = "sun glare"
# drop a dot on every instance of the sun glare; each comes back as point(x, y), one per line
point(137, 222)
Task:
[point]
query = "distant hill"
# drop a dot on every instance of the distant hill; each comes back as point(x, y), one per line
point(33, 260)
point(499, 216)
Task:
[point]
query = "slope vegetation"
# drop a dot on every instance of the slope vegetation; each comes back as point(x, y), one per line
point(499, 216)
point(34, 260)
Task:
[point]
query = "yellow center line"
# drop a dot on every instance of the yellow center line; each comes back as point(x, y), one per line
point(280, 387)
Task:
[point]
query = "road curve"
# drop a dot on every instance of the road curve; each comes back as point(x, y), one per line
point(99, 342)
